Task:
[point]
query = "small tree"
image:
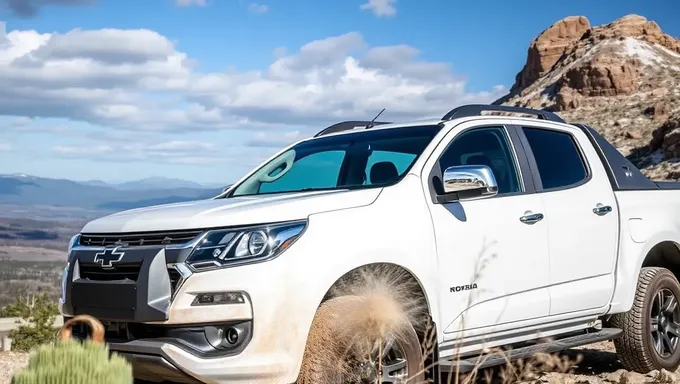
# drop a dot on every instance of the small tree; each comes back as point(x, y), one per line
point(39, 313)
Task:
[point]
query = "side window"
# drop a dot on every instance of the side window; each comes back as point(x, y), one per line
point(485, 146)
point(318, 170)
point(557, 156)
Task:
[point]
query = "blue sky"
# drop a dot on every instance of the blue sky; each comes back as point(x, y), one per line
point(206, 89)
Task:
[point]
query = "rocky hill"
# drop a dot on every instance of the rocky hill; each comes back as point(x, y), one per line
point(621, 78)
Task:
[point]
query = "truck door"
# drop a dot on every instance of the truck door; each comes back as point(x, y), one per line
point(582, 214)
point(493, 267)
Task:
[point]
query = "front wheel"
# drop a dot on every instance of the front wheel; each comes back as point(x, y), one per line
point(651, 329)
point(343, 347)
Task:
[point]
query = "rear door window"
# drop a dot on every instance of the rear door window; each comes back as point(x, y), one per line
point(559, 160)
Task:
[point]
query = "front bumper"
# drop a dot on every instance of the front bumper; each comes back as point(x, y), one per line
point(167, 338)
point(170, 359)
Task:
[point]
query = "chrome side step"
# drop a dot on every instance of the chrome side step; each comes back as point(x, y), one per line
point(550, 346)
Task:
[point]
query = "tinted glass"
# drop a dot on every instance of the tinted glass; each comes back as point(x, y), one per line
point(318, 170)
point(355, 160)
point(485, 146)
point(557, 156)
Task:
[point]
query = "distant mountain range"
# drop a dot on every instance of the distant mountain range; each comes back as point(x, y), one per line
point(26, 190)
point(149, 183)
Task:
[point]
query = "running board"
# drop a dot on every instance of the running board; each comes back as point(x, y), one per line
point(552, 346)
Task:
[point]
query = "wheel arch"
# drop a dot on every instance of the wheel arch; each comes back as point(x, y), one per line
point(396, 273)
point(659, 250)
point(425, 326)
point(665, 254)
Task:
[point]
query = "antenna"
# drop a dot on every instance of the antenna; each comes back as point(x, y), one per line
point(370, 124)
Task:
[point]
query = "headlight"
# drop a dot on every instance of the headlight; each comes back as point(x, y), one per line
point(220, 248)
point(72, 243)
point(64, 275)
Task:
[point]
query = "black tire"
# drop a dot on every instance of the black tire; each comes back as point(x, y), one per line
point(336, 332)
point(644, 324)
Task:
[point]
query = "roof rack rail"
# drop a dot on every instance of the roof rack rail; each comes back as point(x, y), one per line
point(477, 109)
point(348, 126)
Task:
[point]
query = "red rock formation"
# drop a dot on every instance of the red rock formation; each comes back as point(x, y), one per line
point(603, 76)
point(548, 47)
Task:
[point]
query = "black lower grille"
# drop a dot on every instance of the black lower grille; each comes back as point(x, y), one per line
point(138, 239)
point(122, 331)
point(95, 272)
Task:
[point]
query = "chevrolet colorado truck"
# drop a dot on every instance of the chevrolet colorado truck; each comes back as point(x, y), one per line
point(526, 233)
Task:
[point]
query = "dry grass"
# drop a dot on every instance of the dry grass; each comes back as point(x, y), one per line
point(360, 316)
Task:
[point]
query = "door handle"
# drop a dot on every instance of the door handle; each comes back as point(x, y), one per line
point(602, 210)
point(531, 218)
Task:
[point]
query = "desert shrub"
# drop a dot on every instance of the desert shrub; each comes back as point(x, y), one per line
point(73, 362)
point(37, 314)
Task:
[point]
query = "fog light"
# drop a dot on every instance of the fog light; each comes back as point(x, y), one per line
point(232, 335)
point(218, 298)
point(227, 337)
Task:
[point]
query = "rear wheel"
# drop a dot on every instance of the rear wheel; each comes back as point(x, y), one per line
point(343, 347)
point(651, 329)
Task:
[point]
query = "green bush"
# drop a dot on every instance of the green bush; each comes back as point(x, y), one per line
point(74, 362)
point(38, 314)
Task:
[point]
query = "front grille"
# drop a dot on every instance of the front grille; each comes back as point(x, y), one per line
point(95, 272)
point(138, 239)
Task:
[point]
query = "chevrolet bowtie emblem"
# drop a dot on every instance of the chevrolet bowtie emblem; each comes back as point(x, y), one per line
point(108, 257)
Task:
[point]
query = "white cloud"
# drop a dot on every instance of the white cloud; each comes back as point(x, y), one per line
point(187, 3)
point(138, 80)
point(274, 140)
point(169, 152)
point(258, 8)
point(380, 8)
point(5, 146)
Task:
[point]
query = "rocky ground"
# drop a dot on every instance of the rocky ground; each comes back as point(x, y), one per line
point(10, 362)
point(599, 365)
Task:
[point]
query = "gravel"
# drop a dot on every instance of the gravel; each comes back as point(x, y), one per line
point(11, 362)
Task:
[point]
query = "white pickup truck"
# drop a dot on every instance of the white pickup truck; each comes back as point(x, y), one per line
point(522, 232)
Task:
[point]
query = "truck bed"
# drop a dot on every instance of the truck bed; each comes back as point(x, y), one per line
point(668, 184)
point(622, 173)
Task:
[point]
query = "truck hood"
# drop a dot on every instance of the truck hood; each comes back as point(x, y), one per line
point(234, 211)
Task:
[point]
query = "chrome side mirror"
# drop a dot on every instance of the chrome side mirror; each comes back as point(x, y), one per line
point(468, 181)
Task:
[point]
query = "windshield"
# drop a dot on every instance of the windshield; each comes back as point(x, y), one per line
point(356, 160)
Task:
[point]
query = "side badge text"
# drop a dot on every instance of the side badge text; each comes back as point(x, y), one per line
point(466, 287)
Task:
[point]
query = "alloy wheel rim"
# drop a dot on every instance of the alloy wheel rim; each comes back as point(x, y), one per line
point(393, 366)
point(665, 323)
